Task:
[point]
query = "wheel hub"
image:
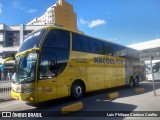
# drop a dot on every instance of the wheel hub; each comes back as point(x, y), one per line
point(78, 90)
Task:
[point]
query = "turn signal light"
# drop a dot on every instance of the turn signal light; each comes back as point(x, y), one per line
point(29, 98)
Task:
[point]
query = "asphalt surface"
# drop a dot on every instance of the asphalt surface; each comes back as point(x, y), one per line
point(97, 106)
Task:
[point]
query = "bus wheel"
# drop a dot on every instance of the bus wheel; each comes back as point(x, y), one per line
point(136, 81)
point(131, 82)
point(77, 90)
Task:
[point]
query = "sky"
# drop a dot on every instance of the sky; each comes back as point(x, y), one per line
point(122, 21)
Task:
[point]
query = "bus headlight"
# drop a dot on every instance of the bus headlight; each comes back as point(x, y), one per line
point(25, 88)
point(16, 88)
point(28, 90)
point(29, 98)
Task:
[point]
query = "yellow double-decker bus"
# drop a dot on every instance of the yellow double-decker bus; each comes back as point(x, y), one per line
point(54, 62)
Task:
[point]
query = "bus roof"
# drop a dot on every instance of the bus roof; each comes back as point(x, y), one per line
point(81, 33)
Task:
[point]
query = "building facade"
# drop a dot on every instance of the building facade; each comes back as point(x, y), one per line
point(152, 46)
point(150, 49)
point(11, 37)
point(60, 14)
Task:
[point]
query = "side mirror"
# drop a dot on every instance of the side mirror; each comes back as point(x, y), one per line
point(24, 62)
point(24, 59)
point(2, 67)
point(155, 68)
point(4, 61)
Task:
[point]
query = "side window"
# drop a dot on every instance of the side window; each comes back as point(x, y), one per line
point(108, 48)
point(96, 46)
point(119, 51)
point(80, 43)
point(47, 67)
point(155, 68)
point(54, 54)
point(56, 39)
point(87, 44)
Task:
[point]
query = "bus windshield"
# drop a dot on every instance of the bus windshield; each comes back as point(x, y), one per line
point(156, 67)
point(33, 40)
point(27, 74)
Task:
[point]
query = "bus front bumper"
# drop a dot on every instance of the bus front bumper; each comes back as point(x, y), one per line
point(29, 97)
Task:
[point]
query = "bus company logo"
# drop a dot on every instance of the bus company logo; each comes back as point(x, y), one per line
point(100, 60)
point(6, 114)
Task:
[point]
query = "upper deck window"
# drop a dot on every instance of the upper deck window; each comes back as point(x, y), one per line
point(33, 40)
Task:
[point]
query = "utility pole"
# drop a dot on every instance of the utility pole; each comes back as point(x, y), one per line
point(153, 82)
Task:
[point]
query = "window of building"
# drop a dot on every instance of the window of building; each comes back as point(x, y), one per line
point(12, 38)
point(1, 34)
point(26, 33)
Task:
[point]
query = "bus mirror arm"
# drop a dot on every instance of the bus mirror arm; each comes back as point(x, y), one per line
point(26, 53)
point(31, 51)
point(7, 59)
point(24, 59)
point(4, 61)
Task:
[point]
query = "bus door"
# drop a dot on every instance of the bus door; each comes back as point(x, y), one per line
point(156, 70)
point(47, 81)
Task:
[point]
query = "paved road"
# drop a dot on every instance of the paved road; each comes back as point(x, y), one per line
point(129, 100)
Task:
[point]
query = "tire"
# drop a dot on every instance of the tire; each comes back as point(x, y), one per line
point(136, 82)
point(131, 82)
point(77, 90)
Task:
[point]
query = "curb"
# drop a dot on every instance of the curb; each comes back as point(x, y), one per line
point(72, 108)
point(112, 96)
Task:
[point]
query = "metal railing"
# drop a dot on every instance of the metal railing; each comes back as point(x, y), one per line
point(5, 89)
